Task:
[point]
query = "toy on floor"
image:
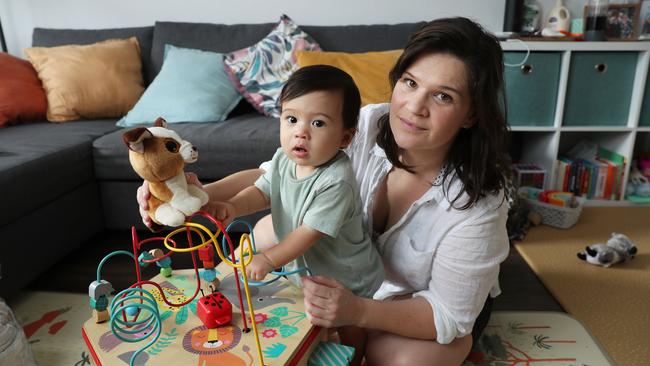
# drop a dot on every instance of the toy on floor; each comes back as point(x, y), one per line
point(14, 347)
point(134, 314)
point(158, 155)
point(619, 248)
point(637, 184)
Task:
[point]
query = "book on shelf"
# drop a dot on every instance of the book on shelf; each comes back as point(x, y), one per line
point(599, 177)
point(616, 171)
point(591, 171)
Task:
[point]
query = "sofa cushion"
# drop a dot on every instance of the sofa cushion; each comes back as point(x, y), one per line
point(242, 142)
point(41, 161)
point(191, 87)
point(89, 81)
point(207, 37)
point(35, 241)
point(368, 69)
point(260, 71)
point(362, 38)
point(22, 97)
point(44, 37)
point(227, 38)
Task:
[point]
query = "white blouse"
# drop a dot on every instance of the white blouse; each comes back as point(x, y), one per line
point(447, 256)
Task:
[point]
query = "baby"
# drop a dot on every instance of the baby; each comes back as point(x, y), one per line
point(310, 187)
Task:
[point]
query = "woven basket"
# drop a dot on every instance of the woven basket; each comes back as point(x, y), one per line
point(553, 215)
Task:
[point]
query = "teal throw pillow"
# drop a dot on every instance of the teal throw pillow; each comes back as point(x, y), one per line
point(192, 86)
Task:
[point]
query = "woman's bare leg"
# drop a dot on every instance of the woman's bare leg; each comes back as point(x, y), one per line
point(391, 349)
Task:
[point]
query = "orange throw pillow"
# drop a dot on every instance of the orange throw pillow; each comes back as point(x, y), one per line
point(369, 70)
point(90, 81)
point(22, 97)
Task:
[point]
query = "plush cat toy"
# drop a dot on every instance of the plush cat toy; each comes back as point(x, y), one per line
point(619, 248)
point(158, 155)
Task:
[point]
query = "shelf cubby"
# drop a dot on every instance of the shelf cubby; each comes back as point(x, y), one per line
point(561, 93)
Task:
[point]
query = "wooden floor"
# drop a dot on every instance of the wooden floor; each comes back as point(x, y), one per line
point(521, 290)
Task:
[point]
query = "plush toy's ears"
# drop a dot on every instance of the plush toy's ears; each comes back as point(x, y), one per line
point(134, 139)
point(160, 122)
point(591, 252)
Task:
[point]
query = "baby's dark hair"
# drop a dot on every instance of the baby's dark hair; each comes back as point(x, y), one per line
point(314, 78)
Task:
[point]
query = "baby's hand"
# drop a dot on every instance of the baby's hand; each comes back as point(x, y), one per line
point(259, 267)
point(224, 211)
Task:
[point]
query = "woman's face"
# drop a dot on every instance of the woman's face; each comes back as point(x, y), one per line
point(430, 104)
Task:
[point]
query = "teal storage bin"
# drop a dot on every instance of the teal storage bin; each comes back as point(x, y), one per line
point(531, 89)
point(599, 89)
point(644, 118)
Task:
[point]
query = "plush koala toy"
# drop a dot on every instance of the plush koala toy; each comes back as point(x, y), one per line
point(158, 155)
point(619, 248)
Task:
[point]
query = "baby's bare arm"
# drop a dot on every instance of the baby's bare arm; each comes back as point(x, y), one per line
point(250, 200)
point(228, 187)
point(293, 246)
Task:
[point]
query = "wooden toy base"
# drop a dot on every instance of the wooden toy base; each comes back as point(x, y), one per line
point(286, 335)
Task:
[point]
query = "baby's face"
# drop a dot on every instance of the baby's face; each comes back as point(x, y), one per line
point(311, 128)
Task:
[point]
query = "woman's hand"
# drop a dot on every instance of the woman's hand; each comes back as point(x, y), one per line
point(329, 304)
point(143, 194)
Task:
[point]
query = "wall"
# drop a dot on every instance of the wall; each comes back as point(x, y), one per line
point(19, 17)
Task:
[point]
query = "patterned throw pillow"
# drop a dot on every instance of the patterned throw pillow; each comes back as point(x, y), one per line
point(260, 71)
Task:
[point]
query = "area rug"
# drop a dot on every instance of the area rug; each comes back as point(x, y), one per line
point(52, 323)
point(611, 302)
point(535, 338)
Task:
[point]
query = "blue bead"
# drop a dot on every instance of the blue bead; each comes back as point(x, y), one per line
point(165, 262)
point(208, 275)
point(131, 310)
point(144, 256)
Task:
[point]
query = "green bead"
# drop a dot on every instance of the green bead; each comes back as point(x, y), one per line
point(166, 271)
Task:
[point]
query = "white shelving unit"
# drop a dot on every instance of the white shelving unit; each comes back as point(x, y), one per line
point(543, 145)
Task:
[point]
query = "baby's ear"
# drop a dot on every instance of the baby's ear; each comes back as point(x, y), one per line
point(348, 135)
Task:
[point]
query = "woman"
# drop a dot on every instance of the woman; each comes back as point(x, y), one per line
point(429, 168)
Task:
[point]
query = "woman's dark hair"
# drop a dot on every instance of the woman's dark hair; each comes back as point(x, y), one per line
point(313, 78)
point(477, 153)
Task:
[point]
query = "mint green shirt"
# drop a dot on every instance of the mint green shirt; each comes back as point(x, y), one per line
point(328, 201)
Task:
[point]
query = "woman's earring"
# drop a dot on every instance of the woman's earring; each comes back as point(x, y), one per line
point(468, 125)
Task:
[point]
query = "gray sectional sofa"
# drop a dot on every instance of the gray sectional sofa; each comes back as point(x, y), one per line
point(63, 183)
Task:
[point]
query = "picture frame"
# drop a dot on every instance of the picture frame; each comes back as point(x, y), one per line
point(644, 20)
point(622, 21)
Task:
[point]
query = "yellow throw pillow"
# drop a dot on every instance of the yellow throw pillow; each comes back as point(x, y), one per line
point(90, 81)
point(369, 70)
